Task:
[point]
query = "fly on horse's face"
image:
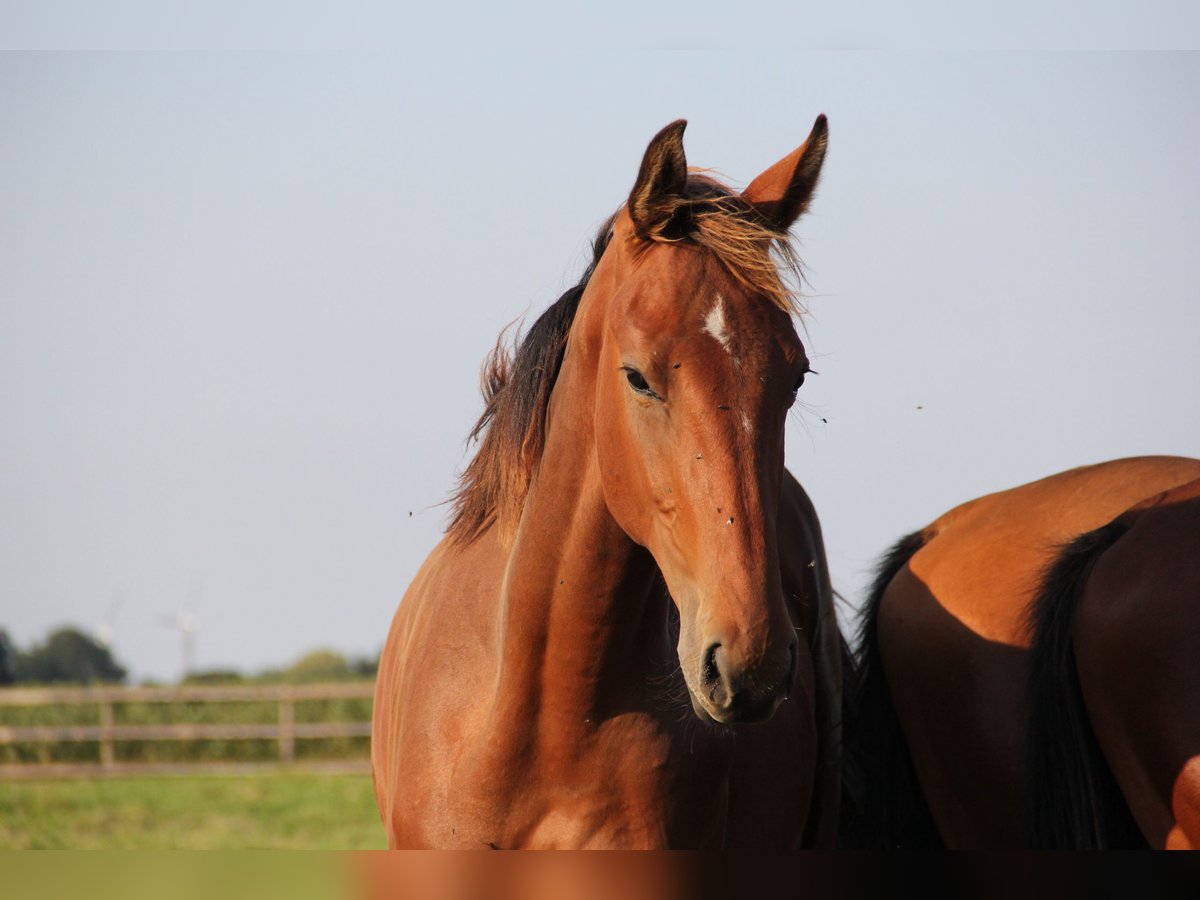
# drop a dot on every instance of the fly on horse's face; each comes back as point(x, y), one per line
point(696, 369)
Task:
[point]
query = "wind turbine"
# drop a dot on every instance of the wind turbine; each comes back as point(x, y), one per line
point(106, 630)
point(187, 624)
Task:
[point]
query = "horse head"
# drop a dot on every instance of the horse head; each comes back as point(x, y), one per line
point(687, 328)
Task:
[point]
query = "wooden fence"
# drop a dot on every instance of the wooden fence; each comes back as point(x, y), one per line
point(285, 729)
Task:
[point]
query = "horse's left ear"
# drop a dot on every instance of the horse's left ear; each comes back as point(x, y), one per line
point(783, 192)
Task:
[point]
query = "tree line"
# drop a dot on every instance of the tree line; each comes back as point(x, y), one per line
point(71, 656)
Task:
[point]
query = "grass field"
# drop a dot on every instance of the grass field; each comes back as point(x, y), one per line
point(202, 812)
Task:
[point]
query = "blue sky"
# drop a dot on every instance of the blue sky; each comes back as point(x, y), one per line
point(244, 296)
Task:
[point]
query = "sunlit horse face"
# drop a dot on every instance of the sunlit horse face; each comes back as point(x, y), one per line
point(696, 372)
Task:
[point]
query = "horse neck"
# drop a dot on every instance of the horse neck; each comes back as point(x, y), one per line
point(582, 611)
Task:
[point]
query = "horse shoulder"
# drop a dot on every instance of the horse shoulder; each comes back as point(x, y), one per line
point(436, 664)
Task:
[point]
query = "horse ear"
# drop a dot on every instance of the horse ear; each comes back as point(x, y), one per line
point(782, 193)
point(660, 180)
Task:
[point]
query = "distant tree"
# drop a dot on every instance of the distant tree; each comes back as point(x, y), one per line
point(319, 665)
point(269, 676)
point(8, 659)
point(214, 676)
point(365, 666)
point(68, 655)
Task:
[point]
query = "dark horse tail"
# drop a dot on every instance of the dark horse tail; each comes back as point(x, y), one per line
point(1075, 800)
point(882, 805)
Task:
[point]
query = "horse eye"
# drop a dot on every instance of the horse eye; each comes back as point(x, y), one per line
point(638, 383)
point(796, 387)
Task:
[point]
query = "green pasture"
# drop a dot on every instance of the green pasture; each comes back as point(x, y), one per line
point(203, 812)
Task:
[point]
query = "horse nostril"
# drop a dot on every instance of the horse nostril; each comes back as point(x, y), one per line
point(747, 696)
point(710, 673)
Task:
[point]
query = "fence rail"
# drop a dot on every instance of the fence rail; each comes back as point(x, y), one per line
point(285, 729)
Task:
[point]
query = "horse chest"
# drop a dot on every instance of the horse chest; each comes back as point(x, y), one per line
point(631, 782)
point(625, 782)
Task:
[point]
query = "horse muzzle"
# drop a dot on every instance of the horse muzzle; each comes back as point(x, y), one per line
point(729, 694)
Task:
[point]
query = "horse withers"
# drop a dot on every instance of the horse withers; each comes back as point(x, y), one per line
point(626, 637)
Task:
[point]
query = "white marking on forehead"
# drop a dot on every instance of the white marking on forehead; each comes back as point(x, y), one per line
point(714, 323)
point(747, 425)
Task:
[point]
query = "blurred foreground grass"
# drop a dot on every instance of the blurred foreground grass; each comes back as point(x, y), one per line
point(204, 812)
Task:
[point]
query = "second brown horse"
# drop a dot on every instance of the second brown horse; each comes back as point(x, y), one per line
point(1031, 669)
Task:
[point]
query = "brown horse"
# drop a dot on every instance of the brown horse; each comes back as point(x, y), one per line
point(967, 731)
point(631, 577)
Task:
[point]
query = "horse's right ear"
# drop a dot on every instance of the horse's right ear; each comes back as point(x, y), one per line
point(660, 181)
point(783, 192)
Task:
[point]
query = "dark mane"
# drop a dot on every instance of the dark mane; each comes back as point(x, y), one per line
point(517, 382)
point(516, 393)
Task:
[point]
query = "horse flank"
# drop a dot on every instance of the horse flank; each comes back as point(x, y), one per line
point(517, 383)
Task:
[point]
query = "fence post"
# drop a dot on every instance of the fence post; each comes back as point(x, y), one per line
point(107, 756)
point(287, 726)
